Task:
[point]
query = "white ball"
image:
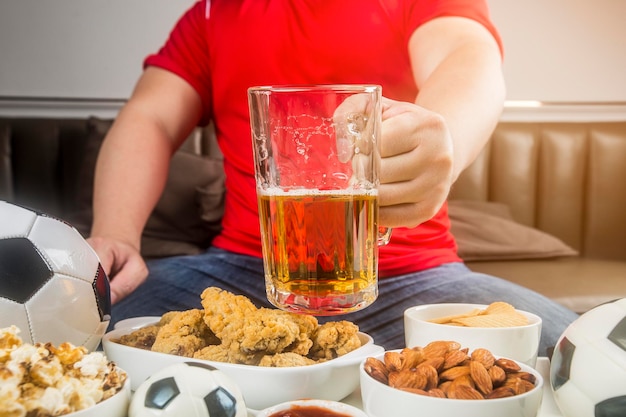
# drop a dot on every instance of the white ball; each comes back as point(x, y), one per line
point(52, 286)
point(189, 389)
point(588, 367)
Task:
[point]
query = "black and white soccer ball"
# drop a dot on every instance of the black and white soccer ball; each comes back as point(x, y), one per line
point(588, 367)
point(52, 286)
point(190, 389)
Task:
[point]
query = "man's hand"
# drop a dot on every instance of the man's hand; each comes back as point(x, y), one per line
point(123, 264)
point(417, 162)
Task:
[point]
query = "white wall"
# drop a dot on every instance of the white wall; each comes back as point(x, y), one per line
point(556, 50)
point(79, 48)
point(563, 50)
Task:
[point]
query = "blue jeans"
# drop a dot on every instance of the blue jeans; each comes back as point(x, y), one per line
point(176, 284)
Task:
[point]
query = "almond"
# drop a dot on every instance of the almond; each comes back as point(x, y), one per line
point(463, 380)
point(444, 386)
point(436, 392)
point(431, 375)
point(501, 392)
point(526, 376)
point(437, 349)
point(483, 356)
point(508, 365)
point(481, 377)
point(519, 385)
point(376, 369)
point(410, 358)
point(497, 375)
point(436, 363)
point(407, 378)
point(464, 392)
point(454, 358)
point(393, 361)
point(455, 372)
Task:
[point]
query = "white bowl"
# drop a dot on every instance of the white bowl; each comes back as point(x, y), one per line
point(520, 343)
point(335, 406)
point(381, 400)
point(115, 406)
point(261, 387)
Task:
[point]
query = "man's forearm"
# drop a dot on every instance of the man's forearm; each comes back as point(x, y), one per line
point(130, 176)
point(464, 83)
point(470, 98)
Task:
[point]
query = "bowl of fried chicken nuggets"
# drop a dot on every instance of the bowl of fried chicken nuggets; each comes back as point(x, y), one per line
point(274, 356)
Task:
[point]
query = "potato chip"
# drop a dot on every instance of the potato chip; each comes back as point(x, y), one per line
point(500, 307)
point(493, 320)
point(449, 319)
point(497, 314)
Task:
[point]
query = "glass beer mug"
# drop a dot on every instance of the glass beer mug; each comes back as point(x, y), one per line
point(317, 165)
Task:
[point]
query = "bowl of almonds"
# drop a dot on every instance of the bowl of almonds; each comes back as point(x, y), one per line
point(444, 378)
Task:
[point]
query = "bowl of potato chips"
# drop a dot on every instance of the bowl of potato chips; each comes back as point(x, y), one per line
point(499, 327)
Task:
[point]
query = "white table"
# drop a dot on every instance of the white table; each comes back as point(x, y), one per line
point(548, 406)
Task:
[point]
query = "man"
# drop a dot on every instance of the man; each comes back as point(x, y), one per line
point(439, 63)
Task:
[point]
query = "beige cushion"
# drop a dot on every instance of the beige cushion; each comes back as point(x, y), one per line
point(486, 231)
point(577, 283)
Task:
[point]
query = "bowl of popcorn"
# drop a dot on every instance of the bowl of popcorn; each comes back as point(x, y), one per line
point(44, 380)
point(498, 327)
point(272, 355)
point(443, 378)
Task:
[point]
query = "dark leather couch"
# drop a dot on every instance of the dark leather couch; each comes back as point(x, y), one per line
point(544, 205)
point(47, 165)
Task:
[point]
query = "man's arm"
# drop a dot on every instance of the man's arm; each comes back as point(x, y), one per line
point(132, 169)
point(457, 67)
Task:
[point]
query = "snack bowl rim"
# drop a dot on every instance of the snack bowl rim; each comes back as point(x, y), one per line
point(330, 380)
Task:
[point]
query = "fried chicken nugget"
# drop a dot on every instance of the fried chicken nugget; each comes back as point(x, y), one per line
point(144, 337)
point(276, 331)
point(185, 333)
point(285, 359)
point(334, 339)
point(225, 313)
point(246, 330)
point(228, 353)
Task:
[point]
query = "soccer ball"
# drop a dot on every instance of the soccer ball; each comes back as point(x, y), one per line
point(588, 368)
point(189, 389)
point(52, 286)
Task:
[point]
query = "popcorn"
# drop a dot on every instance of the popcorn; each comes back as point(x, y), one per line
point(46, 380)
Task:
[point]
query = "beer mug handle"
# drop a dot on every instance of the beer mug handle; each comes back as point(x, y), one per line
point(384, 234)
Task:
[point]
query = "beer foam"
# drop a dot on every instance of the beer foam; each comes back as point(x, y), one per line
point(300, 192)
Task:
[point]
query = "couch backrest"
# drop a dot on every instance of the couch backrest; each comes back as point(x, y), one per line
point(567, 179)
point(48, 165)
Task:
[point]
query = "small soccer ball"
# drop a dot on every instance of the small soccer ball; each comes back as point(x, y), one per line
point(52, 286)
point(189, 389)
point(588, 367)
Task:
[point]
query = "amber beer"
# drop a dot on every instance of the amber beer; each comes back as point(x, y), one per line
point(320, 249)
